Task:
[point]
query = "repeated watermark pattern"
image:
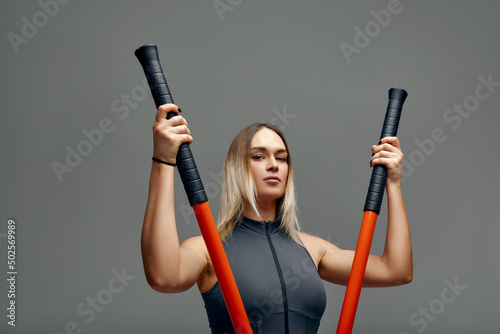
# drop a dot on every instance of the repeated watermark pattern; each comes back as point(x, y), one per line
point(213, 188)
point(30, 27)
point(93, 138)
point(92, 304)
point(223, 6)
point(454, 117)
point(373, 28)
point(429, 313)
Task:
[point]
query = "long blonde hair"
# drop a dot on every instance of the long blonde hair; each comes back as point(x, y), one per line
point(238, 187)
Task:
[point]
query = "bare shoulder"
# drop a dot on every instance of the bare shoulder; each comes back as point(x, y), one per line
point(316, 246)
point(314, 240)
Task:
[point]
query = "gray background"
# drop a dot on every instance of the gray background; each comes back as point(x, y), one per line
point(257, 62)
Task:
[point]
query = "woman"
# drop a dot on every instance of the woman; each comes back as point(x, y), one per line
point(277, 268)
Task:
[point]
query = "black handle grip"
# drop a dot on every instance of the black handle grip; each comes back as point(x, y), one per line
point(150, 61)
point(378, 179)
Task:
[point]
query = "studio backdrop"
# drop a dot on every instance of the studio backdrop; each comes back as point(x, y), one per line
point(76, 147)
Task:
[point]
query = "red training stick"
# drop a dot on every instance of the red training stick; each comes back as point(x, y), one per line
point(149, 59)
point(372, 208)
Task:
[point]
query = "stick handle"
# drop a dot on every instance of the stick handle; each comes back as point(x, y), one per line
point(150, 61)
point(375, 192)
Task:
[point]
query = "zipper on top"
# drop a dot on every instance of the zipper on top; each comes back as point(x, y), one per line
point(280, 274)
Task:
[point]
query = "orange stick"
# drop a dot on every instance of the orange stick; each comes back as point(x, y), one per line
point(222, 269)
point(357, 273)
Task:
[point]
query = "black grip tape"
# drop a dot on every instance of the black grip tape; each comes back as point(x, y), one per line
point(149, 59)
point(378, 179)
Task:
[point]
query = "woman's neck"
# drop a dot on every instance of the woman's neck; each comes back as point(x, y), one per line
point(267, 211)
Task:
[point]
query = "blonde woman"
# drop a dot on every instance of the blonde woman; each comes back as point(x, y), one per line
point(278, 269)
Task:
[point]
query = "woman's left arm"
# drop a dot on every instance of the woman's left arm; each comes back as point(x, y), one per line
point(395, 266)
point(397, 256)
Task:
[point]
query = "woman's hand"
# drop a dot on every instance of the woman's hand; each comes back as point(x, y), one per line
point(389, 153)
point(168, 135)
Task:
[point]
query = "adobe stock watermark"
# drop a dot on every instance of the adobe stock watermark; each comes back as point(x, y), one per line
point(437, 306)
point(373, 28)
point(98, 302)
point(30, 27)
point(93, 138)
point(453, 116)
point(213, 188)
point(223, 6)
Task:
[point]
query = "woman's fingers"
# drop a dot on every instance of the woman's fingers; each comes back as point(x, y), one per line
point(389, 154)
point(387, 144)
point(168, 135)
point(178, 126)
point(163, 110)
point(396, 155)
point(186, 138)
point(394, 141)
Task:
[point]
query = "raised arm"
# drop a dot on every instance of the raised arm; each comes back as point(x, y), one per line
point(169, 267)
point(397, 257)
point(395, 266)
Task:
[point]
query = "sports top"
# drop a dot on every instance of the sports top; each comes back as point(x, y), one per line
point(277, 279)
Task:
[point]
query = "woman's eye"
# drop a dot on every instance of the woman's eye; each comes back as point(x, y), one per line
point(257, 157)
point(282, 159)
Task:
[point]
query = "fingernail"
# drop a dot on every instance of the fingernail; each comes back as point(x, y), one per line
point(380, 142)
point(179, 109)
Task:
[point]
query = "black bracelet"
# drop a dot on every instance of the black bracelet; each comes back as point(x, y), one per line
point(163, 162)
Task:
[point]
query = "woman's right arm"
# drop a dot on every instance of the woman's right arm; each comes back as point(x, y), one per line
point(168, 266)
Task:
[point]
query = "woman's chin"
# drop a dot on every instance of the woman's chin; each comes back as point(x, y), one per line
point(270, 195)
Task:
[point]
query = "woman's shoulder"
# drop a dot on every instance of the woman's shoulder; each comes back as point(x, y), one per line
point(306, 237)
point(316, 246)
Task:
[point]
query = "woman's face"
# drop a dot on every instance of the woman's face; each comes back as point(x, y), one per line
point(268, 164)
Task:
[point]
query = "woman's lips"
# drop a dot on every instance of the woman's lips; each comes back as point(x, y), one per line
point(272, 180)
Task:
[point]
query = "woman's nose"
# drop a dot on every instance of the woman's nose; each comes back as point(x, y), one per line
point(273, 165)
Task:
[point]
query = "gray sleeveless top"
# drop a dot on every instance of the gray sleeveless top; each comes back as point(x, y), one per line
point(277, 279)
